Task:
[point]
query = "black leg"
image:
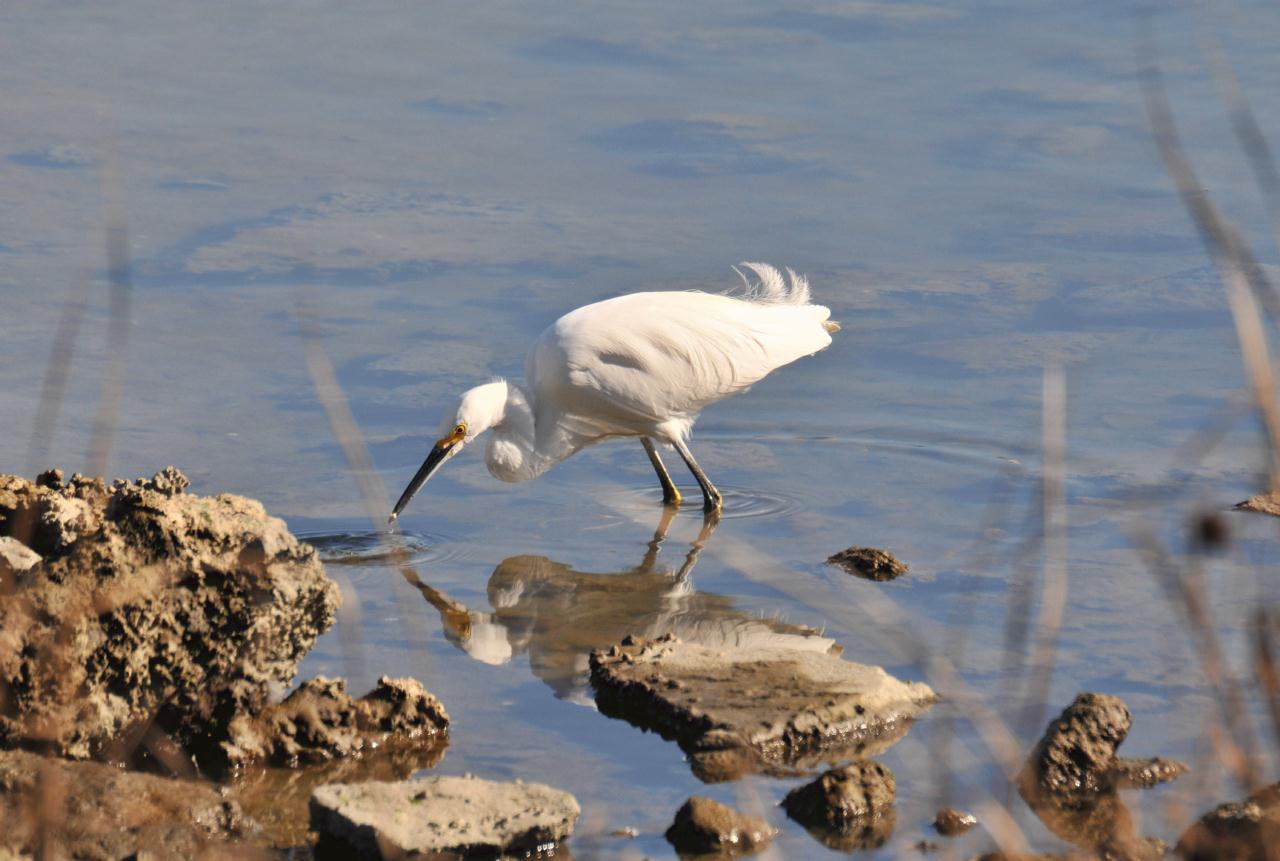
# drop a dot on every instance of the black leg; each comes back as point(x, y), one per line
point(670, 496)
point(712, 500)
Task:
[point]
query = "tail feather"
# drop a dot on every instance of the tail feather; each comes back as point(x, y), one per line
point(773, 287)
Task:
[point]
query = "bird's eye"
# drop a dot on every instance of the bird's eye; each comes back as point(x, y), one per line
point(460, 430)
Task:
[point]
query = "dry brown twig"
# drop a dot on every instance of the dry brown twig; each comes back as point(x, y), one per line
point(120, 286)
point(1053, 596)
point(373, 493)
point(1240, 273)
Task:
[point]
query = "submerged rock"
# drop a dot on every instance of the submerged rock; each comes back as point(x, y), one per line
point(870, 563)
point(320, 721)
point(752, 707)
point(151, 613)
point(706, 826)
point(1246, 830)
point(950, 822)
point(95, 811)
point(462, 815)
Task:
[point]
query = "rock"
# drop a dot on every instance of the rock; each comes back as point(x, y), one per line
point(278, 798)
point(754, 706)
point(16, 557)
point(706, 826)
point(843, 795)
point(1246, 830)
point(319, 721)
point(1076, 758)
point(847, 809)
point(949, 822)
point(1072, 777)
point(1145, 772)
point(96, 811)
point(1077, 754)
point(462, 815)
point(151, 609)
point(870, 563)
point(1263, 503)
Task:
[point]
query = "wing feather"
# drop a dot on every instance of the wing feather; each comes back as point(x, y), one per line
point(631, 364)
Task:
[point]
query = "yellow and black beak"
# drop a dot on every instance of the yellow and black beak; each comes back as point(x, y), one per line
point(445, 448)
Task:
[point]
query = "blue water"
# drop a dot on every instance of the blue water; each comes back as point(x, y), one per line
point(971, 188)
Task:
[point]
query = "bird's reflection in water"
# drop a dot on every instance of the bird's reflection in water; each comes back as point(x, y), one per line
point(558, 615)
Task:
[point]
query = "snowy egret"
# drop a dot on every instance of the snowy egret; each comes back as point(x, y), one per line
point(641, 365)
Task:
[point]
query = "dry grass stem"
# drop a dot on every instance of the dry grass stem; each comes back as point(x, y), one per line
point(120, 286)
point(1053, 599)
point(1251, 138)
point(1235, 263)
point(1236, 744)
point(54, 386)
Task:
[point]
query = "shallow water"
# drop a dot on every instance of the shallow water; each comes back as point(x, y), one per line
point(970, 187)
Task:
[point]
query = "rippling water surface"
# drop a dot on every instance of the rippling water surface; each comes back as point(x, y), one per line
point(970, 187)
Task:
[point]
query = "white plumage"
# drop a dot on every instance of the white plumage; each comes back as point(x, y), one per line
point(641, 365)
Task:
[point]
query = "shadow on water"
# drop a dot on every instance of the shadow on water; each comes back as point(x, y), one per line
point(559, 615)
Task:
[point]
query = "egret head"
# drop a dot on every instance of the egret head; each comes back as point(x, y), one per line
point(478, 410)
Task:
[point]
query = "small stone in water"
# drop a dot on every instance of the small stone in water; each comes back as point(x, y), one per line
point(870, 563)
point(950, 822)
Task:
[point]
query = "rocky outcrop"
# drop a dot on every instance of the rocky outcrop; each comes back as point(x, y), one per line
point(154, 617)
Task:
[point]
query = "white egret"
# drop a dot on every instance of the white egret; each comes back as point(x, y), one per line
point(641, 365)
